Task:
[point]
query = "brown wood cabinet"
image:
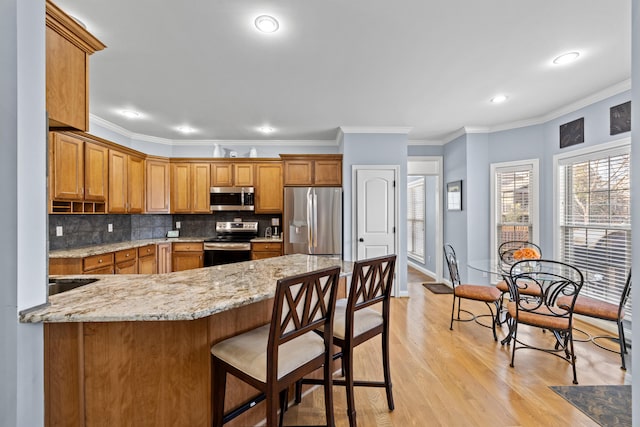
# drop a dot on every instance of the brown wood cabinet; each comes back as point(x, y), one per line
point(312, 170)
point(68, 46)
point(228, 174)
point(190, 187)
point(78, 174)
point(126, 183)
point(147, 262)
point(269, 190)
point(98, 264)
point(164, 257)
point(158, 181)
point(126, 261)
point(187, 256)
point(261, 250)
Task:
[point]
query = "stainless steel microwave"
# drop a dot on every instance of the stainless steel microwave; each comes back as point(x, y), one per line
point(231, 199)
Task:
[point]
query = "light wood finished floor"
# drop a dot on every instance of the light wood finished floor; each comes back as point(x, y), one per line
point(461, 377)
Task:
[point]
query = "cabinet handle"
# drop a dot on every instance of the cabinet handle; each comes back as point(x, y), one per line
point(100, 261)
point(127, 255)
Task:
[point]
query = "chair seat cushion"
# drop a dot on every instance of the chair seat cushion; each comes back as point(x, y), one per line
point(592, 307)
point(248, 352)
point(477, 292)
point(541, 316)
point(364, 320)
point(528, 290)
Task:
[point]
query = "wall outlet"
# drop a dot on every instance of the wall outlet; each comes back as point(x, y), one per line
point(178, 224)
point(58, 230)
point(110, 228)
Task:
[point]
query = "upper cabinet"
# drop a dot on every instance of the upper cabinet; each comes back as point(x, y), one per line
point(78, 174)
point(157, 185)
point(228, 174)
point(323, 170)
point(190, 187)
point(68, 47)
point(268, 191)
point(126, 182)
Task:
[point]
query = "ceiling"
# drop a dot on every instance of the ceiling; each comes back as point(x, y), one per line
point(432, 66)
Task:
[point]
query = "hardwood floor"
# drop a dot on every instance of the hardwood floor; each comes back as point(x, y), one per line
point(461, 377)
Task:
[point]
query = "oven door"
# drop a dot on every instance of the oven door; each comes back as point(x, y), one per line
point(226, 253)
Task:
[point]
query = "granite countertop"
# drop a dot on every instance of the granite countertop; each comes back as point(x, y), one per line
point(183, 295)
point(113, 247)
point(266, 240)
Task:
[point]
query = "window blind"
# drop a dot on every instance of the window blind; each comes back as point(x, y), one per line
point(514, 203)
point(416, 218)
point(594, 199)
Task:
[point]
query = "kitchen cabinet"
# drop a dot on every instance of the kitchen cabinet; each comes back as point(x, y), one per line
point(98, 264)
point(312, 170)
point(126, 261)
point(190, 187)
point(157, 180)
point(227, 174)
point(269, 190)
point(67, 51)
point(262, 250)
point(187, 256)
point(126, 182)
point(78, 174)
point(164, 257)
point(147, 263)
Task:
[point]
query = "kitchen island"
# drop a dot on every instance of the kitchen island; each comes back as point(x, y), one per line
point(134, 349)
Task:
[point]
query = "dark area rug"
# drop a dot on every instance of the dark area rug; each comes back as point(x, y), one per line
point(608, 405)
point(438, 288)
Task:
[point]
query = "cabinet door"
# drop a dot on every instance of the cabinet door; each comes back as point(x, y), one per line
point(127, 267)
point(164, 258)
point(328, 172)
point(180, 187)
point(67, 167)
point(186, 260)
point(221, 175)
point(157, 183)
point(67, 85)
point(268, 188)
point(147, 265)
point(135, 184)
point(108, 269)
point(298, 172)
point(200, 182)
point(243, 174)
point(117, 182)
point(96, 172)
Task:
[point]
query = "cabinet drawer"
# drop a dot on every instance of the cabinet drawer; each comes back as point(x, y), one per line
point(126, 267)
point(125, 255)
point(97, 261)
point(266, 246)
point(188, 247)
point(149, 250)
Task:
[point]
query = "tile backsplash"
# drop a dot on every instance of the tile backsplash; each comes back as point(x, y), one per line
point(88, 230)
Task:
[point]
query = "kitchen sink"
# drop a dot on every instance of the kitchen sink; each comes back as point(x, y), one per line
point(57, 286)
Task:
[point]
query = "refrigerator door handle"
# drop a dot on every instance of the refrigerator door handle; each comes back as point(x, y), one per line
point(315, 219)
point(310, 227)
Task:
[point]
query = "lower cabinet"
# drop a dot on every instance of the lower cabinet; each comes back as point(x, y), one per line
point(262, 250)
point(164, 258)
point(126, 261)
point(147, 263)
point(187, 256)
point(98, 264)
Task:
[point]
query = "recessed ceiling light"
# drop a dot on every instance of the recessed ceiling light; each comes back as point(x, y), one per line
point(130, 114)
point(266, 129)
point(565, 58)
point(267, 24)
point(185, 129)
point(498, 99)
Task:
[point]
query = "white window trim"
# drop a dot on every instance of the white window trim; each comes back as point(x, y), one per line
point(412, 255)
point(557, 159)
point(535, 193)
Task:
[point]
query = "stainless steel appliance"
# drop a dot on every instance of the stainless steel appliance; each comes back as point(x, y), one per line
point(231, 198)
point(312, 220)
point(230, 244)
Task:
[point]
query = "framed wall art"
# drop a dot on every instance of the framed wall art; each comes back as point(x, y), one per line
point(454, 196)
point(572, 133)
point(620, 118)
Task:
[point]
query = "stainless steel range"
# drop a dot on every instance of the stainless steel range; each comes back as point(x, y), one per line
point(230, 244)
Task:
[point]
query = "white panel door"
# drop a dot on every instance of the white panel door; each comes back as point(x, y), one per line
point(375, 212)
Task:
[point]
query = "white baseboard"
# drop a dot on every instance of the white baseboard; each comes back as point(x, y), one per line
point(423, 270)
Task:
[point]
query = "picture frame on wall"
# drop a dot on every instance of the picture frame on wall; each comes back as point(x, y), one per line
point(620, 118)
point(572, 133)
point(454, 196)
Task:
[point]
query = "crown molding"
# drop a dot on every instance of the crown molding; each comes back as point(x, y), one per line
point(376, 129)
point(424, 142)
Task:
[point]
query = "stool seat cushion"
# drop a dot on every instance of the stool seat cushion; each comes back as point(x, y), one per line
point(248, 352)
point(477, 292)
point(365, 319)
point(539, 316)
point(592, 307)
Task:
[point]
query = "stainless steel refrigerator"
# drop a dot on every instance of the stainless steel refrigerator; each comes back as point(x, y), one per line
point(312, 220)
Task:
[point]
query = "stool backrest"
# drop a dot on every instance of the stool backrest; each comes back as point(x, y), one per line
point(371, 282)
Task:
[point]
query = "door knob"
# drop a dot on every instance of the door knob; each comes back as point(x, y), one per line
point(361, 240)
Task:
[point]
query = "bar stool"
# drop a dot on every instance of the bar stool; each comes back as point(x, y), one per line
point(274, 356)
point(357, 322)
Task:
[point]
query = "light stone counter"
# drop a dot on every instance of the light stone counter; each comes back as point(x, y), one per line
point(183, 295)
point(113, 247)
point(266, 240)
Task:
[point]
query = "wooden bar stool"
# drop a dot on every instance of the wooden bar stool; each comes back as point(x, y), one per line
point(274, 356)
point(356, 322)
